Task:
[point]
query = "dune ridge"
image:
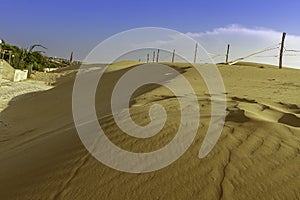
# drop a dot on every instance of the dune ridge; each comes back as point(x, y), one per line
point(256, 156)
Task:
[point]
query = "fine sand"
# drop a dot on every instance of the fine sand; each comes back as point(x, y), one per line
point(256, 157)
point(12, 91)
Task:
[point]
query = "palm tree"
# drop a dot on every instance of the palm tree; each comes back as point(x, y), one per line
point(25, 58)
point(28, 57)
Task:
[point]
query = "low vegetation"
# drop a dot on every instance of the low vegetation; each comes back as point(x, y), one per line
point(25, 58)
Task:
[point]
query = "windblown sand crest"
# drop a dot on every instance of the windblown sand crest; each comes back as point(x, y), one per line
point(257, 155)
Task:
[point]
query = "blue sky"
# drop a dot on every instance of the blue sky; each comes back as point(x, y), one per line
point(65, 26)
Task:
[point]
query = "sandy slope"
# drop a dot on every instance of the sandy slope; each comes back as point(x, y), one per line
point(257, 155)
point(9, 90)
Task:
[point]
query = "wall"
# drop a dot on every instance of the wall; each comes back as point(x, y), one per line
point(0, 73)
point(9, 73)
point(20, 75)
point(49, 69)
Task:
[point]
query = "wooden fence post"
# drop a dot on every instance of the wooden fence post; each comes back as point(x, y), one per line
point(195, 55)
point(173, 56)
point(281, 50)
point(153, 59)
point(157, 55)
point(227, 54)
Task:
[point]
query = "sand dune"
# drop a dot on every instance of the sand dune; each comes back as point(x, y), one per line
point(257, 156)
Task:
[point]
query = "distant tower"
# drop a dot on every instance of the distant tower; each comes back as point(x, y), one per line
point(71, 58)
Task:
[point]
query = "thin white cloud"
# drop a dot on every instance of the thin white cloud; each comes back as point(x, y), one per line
point(236, 29)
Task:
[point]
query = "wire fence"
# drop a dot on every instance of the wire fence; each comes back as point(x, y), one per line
point(270, 50)
point(256, 54)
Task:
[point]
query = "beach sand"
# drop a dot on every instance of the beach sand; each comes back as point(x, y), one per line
point(12, 91)
point(256, 157)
